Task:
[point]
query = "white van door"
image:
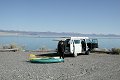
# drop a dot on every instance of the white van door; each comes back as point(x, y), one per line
point(71, 46)
point(77, 46)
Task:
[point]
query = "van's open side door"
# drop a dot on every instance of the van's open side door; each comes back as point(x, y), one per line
point(92, 43)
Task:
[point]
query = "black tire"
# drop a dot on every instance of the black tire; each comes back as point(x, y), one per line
point(87, 52)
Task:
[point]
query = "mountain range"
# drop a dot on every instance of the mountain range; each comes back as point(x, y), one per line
point(48, 33)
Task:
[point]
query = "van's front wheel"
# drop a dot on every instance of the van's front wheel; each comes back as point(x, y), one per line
point(75, 54)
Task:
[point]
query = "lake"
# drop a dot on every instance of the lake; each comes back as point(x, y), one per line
point(34, 43)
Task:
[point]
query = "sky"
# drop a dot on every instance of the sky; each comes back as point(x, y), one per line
point(79, 16)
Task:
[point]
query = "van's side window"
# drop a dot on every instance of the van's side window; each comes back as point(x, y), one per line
point(77, 41)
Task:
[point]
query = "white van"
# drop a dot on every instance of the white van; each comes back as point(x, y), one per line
point(76, 45)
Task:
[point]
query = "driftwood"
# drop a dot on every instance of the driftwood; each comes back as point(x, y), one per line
point(9, 50)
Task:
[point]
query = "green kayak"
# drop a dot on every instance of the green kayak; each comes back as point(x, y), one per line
point(46, 60)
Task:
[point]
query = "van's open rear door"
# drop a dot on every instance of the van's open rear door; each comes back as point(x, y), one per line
point(77, 46)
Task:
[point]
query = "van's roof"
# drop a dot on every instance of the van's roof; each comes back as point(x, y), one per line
point(64, 38)
point(76, 37)
point(79, 37)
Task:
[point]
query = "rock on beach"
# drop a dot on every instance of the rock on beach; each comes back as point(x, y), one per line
point(16, 66)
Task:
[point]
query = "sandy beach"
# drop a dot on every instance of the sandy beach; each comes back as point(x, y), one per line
point(16, 66)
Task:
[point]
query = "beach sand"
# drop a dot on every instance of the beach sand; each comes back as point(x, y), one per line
point(16, 66)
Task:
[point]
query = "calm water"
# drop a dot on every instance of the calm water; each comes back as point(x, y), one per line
point(30, 43)
point(34, 43)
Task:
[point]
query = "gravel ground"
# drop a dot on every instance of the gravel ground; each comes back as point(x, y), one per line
point(15, 66)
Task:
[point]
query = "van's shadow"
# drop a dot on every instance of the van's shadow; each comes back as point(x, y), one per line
point(57, 55)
